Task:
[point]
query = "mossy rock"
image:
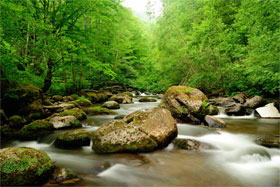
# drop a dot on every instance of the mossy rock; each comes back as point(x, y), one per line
point(65, 122)
point(74, 96)
point(16, 121)
point(97, 97)
point(4, 119)
point(35, 116)
point(77, 112)
point(96, 110)
point(57, 98)
point(128, 93)
point(83, 101)
point(6, 132)
point(73, 139)
point(111, 105)
point(62, 176)
point(147, 99)
point(47, 102)
point(35, 129)
point(24, 166)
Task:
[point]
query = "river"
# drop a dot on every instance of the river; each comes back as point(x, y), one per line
point(235, 160)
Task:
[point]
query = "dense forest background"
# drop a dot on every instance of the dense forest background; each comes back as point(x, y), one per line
point(62, 46)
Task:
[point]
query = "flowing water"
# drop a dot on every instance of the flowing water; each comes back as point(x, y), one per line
point(235, 160)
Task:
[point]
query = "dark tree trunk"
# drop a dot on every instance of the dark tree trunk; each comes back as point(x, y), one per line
point(48, 78)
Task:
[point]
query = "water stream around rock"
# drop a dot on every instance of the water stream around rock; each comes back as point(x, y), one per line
point(235, 160)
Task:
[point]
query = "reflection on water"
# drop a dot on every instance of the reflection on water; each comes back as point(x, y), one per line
point(237, 161)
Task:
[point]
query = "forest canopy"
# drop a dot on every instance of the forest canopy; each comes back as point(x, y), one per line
point(62, 46)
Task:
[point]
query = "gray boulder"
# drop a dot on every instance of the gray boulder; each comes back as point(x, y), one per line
point(214, 122)
point(140, 131)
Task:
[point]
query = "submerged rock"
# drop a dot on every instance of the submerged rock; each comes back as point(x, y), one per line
point(269, 141)
point(24, 166)
point(147, 99)
point(186, 103)
point(73, 139)
point(62, 176)
point(191, 145)
point(212, 121)
point(140, 131)
point(111, 105)
point(65, 121)
point(122, 99)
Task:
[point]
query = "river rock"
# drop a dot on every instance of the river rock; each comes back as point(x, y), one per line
point(35, 129)
point(60, 107)
point(24, 166)
point(16, 121)
point(240, 98)
point(222, 101)
point(236, 110)
point(186, 103)
point(119, 117)
point(65, 121)
point(147, 99)
point(215, 122)
point(62, 176)
point(191, 145)
point(255, 102)
point(269, 141)
point(57, 98)
point(111, 105)
point(73, 139)
point(268, 111)
point(77, 112)
point(97, 110)
point(122, 99)
point(140, 131)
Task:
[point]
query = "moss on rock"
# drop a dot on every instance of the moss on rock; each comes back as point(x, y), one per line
point(77, 112)
point(35, 129)
point(96, 110)
point(24, 166)
point(73, 139)
point(16, 121)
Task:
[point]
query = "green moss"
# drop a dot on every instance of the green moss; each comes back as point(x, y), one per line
point(74, 138)
point(47, 102)
point(15, 121)
point(83, 101)
point(96, 110)
point(24, 166)
point(77, 112)
point(74, 96)
point(34, 129)
point(128, 93)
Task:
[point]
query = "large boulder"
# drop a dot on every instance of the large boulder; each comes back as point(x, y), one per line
point(35, 129)
point(222, 101)
point(140, 131)
point(255, 102)
point(65, 122)
point(111, 105)
point(212, 121)
point(73, 139)
point(122, 99)
point(147, 99)
point(24, 166)
point(186, 103)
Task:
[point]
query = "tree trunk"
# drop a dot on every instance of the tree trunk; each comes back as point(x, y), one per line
point(48, 78)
